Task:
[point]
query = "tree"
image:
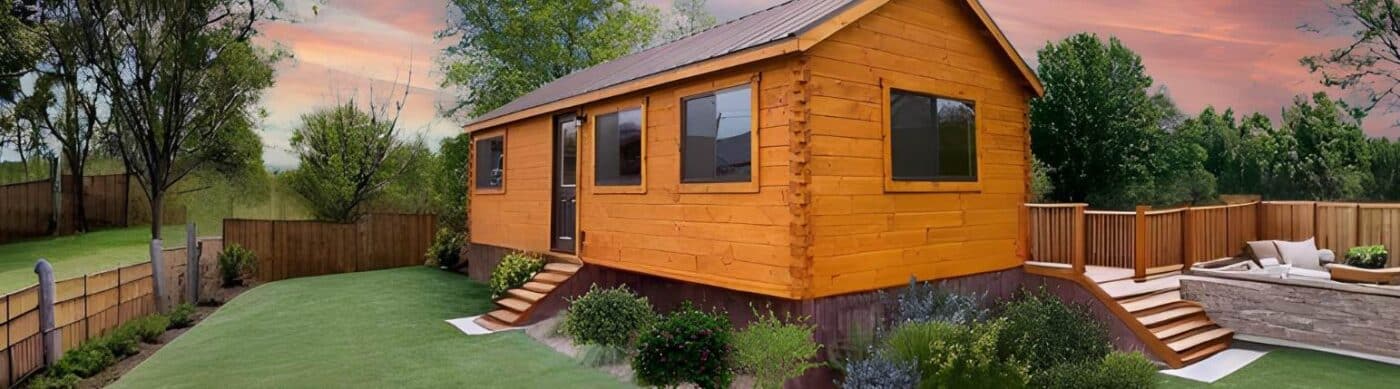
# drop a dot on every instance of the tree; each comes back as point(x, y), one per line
point(1333, 160)
point(1385, 169)
point(181, 75)
point(688, 17)
point(450, 182)
point(1370, 62)
point(348, 157)
point(508, 48)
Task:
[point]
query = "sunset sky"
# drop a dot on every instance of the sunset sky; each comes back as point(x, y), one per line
point(1242, 54)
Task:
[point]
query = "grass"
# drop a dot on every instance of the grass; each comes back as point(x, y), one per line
point(1294, 368)
point(76, 255)
point(372, 329)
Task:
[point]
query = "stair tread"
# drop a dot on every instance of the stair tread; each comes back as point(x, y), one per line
point(550, 278)
point(1152, 301)
point(1199, 339)
point(505, 316)
point(514, 304)
point(1118, 290)
point(1182, 327)
point(525, 294)
point(560, 267)
point(491, 323)
point(538, 287)
point(1204, 352)
point(1169, 315)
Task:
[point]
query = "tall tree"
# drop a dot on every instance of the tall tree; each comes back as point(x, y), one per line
point(1333, 159)
point(349, 157)
point(1370, 62)
point(688, 17)
point(508, 48)
point(180, 75)
point(1385, 169)
point(450, 182)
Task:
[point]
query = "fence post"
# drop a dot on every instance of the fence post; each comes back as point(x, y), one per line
point(1079, 239)
point(1188, 253)
point(1140, 250)
point(50, 336)
point(192, 251)
point(158, 274)
point(56, 173)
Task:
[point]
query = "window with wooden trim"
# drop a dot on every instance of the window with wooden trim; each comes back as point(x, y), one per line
point(617, 148)
point(490, 163)
point(717, 136)
point(932, 138)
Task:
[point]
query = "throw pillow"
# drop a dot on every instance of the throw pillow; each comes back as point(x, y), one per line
point(1261, 249)
point(1299, 254)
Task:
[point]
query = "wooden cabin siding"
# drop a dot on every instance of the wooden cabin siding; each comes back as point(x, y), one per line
point(517, 217)
point(867, 237)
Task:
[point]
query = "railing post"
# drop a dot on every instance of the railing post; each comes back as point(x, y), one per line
point(1140, 249)
point(1188, 253)
point(1079, 240)
point(52, 344)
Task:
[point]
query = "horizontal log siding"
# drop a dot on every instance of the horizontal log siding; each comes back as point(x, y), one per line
point(865, 238)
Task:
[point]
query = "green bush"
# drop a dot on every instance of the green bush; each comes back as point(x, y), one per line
point(1370, 257)
point(182, 316)
point(149, 328)
point(607, 317)
point(955, 355)
point(515, 270)
point(1116, 370)
point(83, 361)
point(54, 381)
point(1044, 332)
point(688, 345)
point(774, 350)
point(122, 341)
point(446, 250)
point(236, 265)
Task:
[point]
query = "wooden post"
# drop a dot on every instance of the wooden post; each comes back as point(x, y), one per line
point(1140, 250)
point(1188, 252)
point(192, 250)
point(1078, 240)
point(56, 173)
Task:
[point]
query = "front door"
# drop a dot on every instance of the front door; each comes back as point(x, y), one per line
point(565, 208)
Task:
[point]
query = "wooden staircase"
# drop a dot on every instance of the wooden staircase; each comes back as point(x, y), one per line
point(514, 308)
point(1178, 331)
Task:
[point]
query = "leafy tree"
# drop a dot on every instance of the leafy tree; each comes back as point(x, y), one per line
point(348, 157)
point(450, 182)
point(688, 17)
point(509, 48)
point(181, 75)
point(1369, 63)
point(20, 46)
point(1333, 161)
point(1385, 169)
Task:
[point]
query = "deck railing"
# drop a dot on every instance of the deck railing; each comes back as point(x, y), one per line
point(1152, 241)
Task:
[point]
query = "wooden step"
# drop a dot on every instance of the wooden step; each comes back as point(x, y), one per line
point(1167, 307)
point(1192, 341)
point(551, 278)
point(538, 287)
point(1182, 326)
point(491, 323)
point(527, 295)
point(505, 316)
point(1151, 301)
point(560, 267)
point(514, 304)
point(1169, 315)
point(1204, 352)
point(1119, 290)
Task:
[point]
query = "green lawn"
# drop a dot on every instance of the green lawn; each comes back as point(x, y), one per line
point(1294, 368)
point(76, 255)
point(372, 329)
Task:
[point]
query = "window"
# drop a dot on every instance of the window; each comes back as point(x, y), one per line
point(617, 148)
point(717, 139)
point(932, 138)
point(490, 163)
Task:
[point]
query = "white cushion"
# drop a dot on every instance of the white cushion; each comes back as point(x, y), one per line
point(1309, 273)
point(1299, 254)
point(1262, 249)
point(1268, 262)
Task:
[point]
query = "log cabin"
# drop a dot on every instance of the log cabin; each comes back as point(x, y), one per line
point(803, 157)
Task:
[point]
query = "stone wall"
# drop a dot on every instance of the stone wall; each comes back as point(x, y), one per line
point(1326, 317)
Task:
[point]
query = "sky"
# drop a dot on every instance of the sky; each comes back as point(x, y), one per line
point(1240, 54)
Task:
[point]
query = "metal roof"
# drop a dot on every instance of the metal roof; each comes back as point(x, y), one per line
point(777, 23)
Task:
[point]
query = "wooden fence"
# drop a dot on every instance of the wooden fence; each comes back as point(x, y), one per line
point(84, 308)
point(27, 211)
point(289, 249)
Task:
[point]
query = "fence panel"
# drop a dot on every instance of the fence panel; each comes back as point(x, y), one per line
point(1336, 226)
point(1287, 220)
point(1110, 235)
point(1379, 224)
point(27, 210)
point(1164, 237)
point(290, 249)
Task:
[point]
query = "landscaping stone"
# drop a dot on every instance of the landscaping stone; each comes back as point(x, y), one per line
point(1326, 317)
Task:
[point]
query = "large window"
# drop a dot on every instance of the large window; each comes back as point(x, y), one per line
point(617, 148)
point(490, 163)
point(932, 138)
point(717, 139)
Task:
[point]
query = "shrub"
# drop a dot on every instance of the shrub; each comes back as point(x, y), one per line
point(774, 350)
point(84, 361)
point(597, 355)
point(607, 317)
point(924, 302)
point(1115, 370)
point(878, 372)
point(236, 264)
point(689, 345)
point(1370, 257)
point(122, 341)
point(182, 316)
point(149, 328)
point(859, 345)
point(515, 270)
point(446, 250)
point(54, 381)
point(955, 355)
point(1045, 332)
